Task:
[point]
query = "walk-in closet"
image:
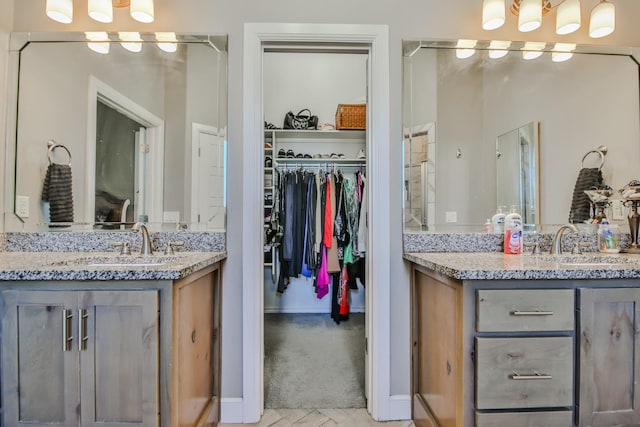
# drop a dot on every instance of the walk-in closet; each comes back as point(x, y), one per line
point(315, 219)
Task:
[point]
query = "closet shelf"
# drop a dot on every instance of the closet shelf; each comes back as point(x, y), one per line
point(307, 161)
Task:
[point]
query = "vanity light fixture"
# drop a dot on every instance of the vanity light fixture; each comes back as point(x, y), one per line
point(101, 10)
point(98, 41)
point(492, 14)
point(532, 50)
point(60, 10)
point(603, 19)
point(131, 41)
point(568, 15)
point(465, 48)
point(167, 41)
point(562, 52)
point(498, 48)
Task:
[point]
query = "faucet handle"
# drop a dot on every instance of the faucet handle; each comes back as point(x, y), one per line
point(535, 247)
point(169, 250)
point(125, 249)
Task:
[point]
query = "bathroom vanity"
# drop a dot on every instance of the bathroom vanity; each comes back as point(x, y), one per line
point(504, 340)
point(99, 339)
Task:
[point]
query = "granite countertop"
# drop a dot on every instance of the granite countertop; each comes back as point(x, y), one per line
point(499, 266)
point(102, 265)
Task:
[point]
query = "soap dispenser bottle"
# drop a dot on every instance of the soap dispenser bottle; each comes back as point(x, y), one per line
point(497, 220)
point(513, 232)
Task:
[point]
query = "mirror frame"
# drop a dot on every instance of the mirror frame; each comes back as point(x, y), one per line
point(19, 41)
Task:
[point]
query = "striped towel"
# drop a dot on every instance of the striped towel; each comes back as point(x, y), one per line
point(588, 179)
point(57, 191)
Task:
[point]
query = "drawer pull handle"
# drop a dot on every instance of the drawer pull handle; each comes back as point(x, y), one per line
point(67, 338)
point(535, 376)
point(531, 313)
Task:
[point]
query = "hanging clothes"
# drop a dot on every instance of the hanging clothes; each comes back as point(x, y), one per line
point(323, 219)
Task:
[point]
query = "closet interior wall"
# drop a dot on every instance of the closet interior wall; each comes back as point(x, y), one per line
point(317, 80)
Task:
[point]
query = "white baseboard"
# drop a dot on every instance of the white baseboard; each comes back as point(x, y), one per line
point(400, 407)
point(232, 410)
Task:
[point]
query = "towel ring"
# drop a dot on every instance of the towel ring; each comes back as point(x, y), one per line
point(601, 151)
point(52, 146)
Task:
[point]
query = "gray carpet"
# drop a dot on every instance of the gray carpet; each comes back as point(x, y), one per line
point(310, 362)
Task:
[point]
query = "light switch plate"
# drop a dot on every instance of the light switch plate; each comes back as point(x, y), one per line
point(22, 206)
point(451, 216)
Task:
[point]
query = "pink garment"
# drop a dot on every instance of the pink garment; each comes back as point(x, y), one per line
point(328, 220)
point(323, 280)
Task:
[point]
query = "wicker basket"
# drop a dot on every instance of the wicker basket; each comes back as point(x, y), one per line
point(351, 116)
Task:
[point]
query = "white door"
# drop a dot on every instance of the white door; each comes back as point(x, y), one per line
point(208, 197)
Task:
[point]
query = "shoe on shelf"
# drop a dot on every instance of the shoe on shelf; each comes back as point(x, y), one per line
point(268, 162)
point(282, 153)
point(361, 154)
point(333, 156)
point(267, 144)
point(307, 156)
point(290, 154)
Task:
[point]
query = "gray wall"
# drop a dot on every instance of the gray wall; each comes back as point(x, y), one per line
point(407, 19)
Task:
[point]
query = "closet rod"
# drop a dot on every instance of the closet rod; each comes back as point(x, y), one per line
point(318, 166)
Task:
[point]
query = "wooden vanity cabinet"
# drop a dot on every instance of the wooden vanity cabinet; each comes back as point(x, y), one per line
point(486, 354)
point(525, 353)
point(112, 354)
point(87, 356)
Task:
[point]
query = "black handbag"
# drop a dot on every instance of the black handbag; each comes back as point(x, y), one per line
point(302, 120)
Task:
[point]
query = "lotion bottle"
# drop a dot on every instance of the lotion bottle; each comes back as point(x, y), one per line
point(513, 232)
point(498, 220)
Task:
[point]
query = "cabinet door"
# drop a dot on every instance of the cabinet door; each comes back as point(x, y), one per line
point(609, 355)
point(437, 362)
point(119, 358)
point(39, 358)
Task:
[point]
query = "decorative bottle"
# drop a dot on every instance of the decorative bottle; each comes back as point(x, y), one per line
point(497, 220)
point(513, 232)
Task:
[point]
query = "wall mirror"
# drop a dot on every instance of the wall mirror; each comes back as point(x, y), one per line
point(588, 100)
point(139, 131)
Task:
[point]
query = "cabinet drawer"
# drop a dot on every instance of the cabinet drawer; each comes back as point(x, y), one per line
point(514, 310)
point(524, 372)
point(525, 419)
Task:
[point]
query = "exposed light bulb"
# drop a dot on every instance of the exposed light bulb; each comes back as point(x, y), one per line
point(167, 41)
point(98, 41)
point(465, 48)
point(532, 50)
point(60, 10)
point(101, 10)
point(142, 10)
point(568, 18)
point(498, 48)
point(562, 52)
point(131, 41)
point(603, 20)
point(492, 14)
point(529, 15)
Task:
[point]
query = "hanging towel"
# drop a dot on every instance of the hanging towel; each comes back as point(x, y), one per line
point(588, 179)
point(57, 191)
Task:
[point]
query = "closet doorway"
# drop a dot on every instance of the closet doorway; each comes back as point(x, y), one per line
point(374, 40)
point(315, 258)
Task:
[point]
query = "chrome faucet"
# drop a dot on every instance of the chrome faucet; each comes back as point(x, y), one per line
point(556, 243)
point(145, 248)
